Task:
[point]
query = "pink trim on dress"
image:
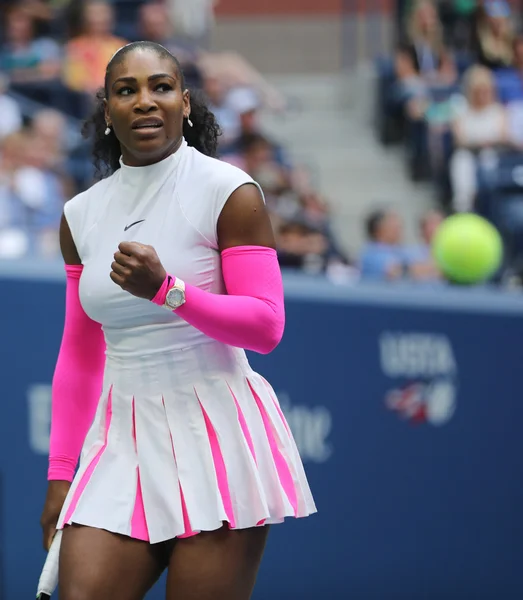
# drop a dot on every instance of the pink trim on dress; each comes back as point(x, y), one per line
point(90, 469)
point(139, 529)
point(282, 467)
point(186, 521)
point(219, 466)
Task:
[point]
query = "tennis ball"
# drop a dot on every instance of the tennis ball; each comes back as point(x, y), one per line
point(467, 248)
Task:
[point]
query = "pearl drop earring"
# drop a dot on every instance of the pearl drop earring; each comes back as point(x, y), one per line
point(108, 130)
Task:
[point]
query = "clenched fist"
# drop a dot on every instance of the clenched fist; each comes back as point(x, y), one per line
point(138, 270)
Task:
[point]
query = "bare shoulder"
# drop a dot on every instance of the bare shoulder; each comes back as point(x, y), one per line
point(244, 220)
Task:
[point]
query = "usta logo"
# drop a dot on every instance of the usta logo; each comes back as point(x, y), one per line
point(426, 364)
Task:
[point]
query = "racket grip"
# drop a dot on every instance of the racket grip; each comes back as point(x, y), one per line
point(49, 577)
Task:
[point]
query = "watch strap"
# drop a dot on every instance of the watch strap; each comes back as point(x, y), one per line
point(161, 294)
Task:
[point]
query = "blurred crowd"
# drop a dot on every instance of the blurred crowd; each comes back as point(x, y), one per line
point(452, 95)
point(53, 55)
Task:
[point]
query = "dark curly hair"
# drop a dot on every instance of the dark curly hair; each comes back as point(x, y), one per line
point(203, 135)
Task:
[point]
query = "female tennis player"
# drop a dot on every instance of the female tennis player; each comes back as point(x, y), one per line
point(186, 457)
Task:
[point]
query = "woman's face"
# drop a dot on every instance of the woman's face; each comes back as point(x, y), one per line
point(481, 94)
point(498, 25)
point(426, 17)
point(98, 19)
point(146, 107)
point(390, 230)
point(19, 27)
point(518, 53)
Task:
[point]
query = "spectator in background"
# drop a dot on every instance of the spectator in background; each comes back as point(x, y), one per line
point(302, 247)
point(480, 129)
point(384, 256)
point(14, 242)
point(428, 226)
point(257, 158)
point(229, 121)
point(41, 191)
point(48, 125)
point(48, 128)
point(515, 125)
point(49, 16)
point(509, 82)
point(245, 102)
point(412, 91)
point(31, 199)
point(422, 63)
point(194, 19)
point(315, 211)
point(11, 118)
point(494, 35)
point(24, 57)
point(423, 266)
point(87, 54)
point(425, 35)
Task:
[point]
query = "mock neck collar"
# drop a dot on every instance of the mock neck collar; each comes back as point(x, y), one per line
point(134, 175)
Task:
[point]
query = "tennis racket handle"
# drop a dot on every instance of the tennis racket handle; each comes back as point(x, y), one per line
point(49, 577)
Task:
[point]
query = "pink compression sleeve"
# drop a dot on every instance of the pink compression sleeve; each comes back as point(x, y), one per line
point(251, 315)
point(77, 382)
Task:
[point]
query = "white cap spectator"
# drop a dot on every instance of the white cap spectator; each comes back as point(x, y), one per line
point(243, 100)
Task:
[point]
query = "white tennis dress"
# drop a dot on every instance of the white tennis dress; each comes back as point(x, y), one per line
point(186, 435)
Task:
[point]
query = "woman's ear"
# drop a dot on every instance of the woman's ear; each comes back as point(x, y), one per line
point(186, 104)
point(106, 112)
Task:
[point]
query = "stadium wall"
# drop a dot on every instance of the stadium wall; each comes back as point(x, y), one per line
point(405, 404)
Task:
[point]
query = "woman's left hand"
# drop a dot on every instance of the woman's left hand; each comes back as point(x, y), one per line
point(138, 270)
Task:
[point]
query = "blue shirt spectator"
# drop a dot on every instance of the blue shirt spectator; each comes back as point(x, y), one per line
point(383, 261)
point(509, 84)
point(384, 257)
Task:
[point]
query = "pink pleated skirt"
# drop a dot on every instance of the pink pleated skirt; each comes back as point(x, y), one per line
point(182, 442)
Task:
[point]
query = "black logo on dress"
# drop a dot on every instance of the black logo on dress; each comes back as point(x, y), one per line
point(133, 224)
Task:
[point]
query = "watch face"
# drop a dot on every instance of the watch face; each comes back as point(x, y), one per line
point(175, 298)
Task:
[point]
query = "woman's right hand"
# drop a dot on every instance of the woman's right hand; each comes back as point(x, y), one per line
point(55, 498)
